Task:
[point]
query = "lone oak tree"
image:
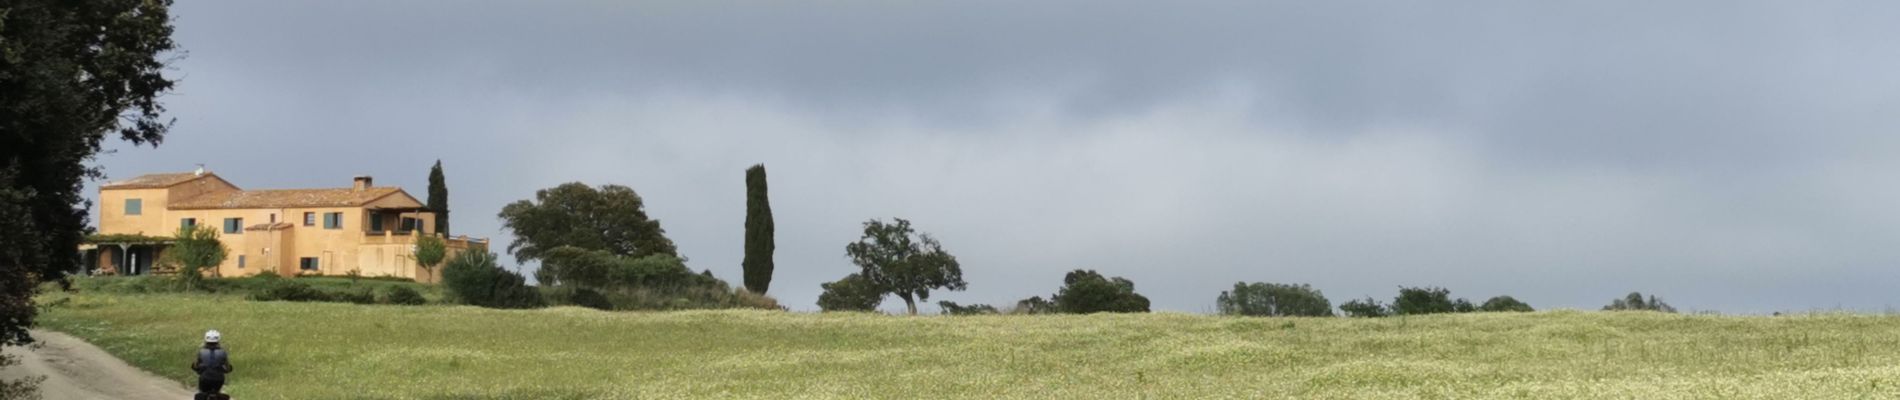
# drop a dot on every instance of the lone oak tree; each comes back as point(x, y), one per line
point(1262, 299)
point(904, 263)
point(1086, 292)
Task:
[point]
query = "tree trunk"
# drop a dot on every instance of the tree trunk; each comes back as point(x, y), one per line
point(909, 303)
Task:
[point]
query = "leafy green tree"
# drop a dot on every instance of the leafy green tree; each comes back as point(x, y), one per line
point(904, 263)
point(1423, 300)
point(1635, 302)
point(600, 270)
point(1085, 292)
point(1505, 304)
point(474, 278)
point(952, 308)
point(439, 198)
point(1364, 308)
point(611, 218)
point(430, 250)
point(759, 242)
point(1273, 300)
point(71, 73)
point(193, 249)
point(853, 293)
point(1035, 305)
point(1463, 306)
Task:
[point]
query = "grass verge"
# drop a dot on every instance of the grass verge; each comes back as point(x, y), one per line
point(288, 350)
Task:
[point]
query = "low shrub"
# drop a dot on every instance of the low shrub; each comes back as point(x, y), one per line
point(476, 279)
point(747, 299)
point(360, 295)
point(403, 295)
point(952, 308)
point(692, 298)
point(289, 290)
point(576, 297)
point(268, 286)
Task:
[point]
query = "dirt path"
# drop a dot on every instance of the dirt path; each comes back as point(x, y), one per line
point(75, 369)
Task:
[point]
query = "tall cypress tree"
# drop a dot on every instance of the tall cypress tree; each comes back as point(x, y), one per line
point(758, 232)
point(439, 198)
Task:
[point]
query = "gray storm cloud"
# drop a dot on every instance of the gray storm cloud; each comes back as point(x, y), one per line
point(1730, 156)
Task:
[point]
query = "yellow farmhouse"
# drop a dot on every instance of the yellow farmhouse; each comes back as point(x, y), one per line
point(366, 229)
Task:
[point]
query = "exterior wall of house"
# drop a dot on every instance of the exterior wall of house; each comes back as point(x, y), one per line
point(235, 243)
point(257, 251)
point(348, 247)
point(150, 221)
point(154, 219)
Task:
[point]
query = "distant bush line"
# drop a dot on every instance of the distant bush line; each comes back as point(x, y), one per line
point(269, 287)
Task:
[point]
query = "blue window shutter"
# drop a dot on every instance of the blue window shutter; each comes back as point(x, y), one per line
point(134, 206)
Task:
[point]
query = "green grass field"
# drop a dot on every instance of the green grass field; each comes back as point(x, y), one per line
point(330, 350)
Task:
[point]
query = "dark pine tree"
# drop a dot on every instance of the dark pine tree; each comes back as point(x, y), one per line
point(439, 198)
point(758, 232)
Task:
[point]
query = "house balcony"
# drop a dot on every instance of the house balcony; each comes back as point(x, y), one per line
point(408, 237)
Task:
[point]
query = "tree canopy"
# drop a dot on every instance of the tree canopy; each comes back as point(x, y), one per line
point(1086, 291)
point(600, 270)
point(853, 293)
point(611, 218)
point(1034, 305)
point(70, 74)
point(1505, 304)
point(905, 263)
point(1423, 300)
point(1635, 302)
point(430, 251)
point(759, 243)
point(1273, 300)
point(1364, 308)
point(193, 249)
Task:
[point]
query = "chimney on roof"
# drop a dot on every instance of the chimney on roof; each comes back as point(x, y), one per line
point(362, 182)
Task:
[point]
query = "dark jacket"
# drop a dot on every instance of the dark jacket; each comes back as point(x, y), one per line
point(212, 363)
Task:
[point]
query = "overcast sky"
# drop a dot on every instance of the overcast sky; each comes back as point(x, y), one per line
point(1731, 156)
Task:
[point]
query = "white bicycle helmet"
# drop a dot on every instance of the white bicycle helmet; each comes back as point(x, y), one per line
point(212, 336)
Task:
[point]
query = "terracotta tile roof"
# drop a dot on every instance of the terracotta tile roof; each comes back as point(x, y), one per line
point(152, 181)
point(284, 198)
